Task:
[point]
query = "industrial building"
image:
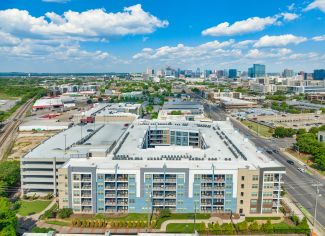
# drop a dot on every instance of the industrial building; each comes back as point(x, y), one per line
point(150, 165)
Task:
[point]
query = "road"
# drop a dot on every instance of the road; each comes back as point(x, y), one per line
point(298, 185)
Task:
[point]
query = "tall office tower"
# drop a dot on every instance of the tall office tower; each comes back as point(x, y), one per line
point(287, 73)
point(232, 74)
point(256, 71)
point(198, 73)
point(207, 73)
point(150, 71)
point(220, 73)
point(319, 74)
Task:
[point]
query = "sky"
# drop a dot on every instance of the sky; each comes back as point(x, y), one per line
point(130, 36)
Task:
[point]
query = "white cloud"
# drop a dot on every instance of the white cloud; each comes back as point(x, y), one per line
point(320, 4)
point(87, 25)
point(205, 50)
point(291, 7)
point(271, 53)
point(289, 16)
point(240, 27)
point(8, 39)
point(244, 44)
point(279, 41)
point(319, 38)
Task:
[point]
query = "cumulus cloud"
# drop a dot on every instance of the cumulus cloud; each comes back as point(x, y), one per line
point(289, 16)
point(279, 40)
point(319, 38)
point(240, 27)
point(180, 51)
point(320, 4)
point(85, 25)
point(7, 39)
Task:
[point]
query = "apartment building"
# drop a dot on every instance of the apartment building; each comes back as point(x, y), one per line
point(183, 166)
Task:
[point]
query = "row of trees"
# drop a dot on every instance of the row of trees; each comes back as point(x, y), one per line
point(104, 223)
point(255, 228)
point(8, 220)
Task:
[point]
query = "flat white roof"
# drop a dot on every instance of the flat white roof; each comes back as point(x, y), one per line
point(220, 137)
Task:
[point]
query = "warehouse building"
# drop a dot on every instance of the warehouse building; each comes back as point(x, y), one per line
point(181, 165)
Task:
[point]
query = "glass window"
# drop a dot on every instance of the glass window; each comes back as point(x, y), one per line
point(255, 177)
point(254, 185)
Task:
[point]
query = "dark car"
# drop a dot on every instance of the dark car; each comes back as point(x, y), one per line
point(290, 162)
point(269, 151)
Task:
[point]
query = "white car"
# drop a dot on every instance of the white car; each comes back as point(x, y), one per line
point(302, 170)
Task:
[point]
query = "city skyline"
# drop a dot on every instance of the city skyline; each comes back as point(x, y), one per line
point(130, 36)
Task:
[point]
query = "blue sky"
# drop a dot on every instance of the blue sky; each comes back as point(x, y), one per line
point(129, 36)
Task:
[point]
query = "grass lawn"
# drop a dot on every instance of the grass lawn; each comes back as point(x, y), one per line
point(180, 228)
point(261, 129)
point(55, 222)
point(32, 207)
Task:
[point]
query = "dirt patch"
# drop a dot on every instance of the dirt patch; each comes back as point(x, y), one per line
point(26, 141)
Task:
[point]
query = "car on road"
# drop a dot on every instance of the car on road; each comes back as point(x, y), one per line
point(302, 170)
point(290, 162)
point(269, 151)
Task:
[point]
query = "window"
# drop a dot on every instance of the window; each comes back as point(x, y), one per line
point(268, 177)
point(254, 194)
point(267, 201)
point(241, 202)
point(255, 177)
point(253, 201)
point(253, 210)
point(267, 194)
point(242, 186)
point(254, 185)
point(242, 194)
point(131, 201)
point(268, 185)
point(243, 178)
point(267, 210)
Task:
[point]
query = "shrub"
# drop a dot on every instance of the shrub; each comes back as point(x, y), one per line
point(295, 219)
point(303, 226)
point(42, 230)
point(254, 227)
point(228, 229)
point(267, 227)
point(65, 213)
point(165, 213)
point(243, 227)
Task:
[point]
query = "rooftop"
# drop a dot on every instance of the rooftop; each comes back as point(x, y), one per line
point(78, 141)
point(224, 147)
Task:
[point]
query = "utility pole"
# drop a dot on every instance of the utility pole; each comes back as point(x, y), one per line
point(317, 185)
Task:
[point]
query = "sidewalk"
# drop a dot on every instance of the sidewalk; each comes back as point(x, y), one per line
point(298, 212)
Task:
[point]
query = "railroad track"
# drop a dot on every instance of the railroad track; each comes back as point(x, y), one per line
point(12, 125)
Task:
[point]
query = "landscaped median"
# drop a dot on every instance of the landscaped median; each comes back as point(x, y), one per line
point(257, 128)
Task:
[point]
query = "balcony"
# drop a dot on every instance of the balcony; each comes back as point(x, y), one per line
point(110, 203)
point(85, 195)
point(86, 179)
point(110, 195)
point(86, 203)
point(86, 187)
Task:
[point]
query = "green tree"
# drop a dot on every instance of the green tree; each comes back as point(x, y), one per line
point(65, 213)
point(8, 218)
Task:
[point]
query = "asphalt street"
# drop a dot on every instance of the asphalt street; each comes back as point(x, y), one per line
point(299, 185)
